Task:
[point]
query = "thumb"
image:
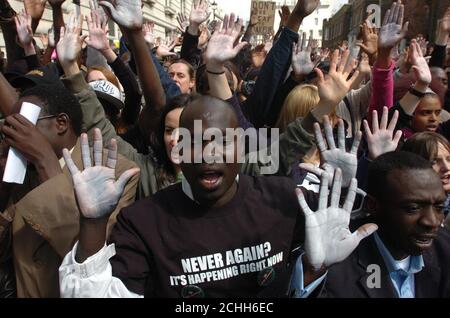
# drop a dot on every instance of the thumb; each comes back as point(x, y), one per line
point(108, 7)
point(364, 231)
point(362, 46)
point(239, 47)
point(125, 177)
point(320, 75)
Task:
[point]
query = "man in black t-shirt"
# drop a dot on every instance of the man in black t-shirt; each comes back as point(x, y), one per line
point(217, 234)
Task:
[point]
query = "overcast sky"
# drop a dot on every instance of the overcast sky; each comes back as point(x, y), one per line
point(242, 7)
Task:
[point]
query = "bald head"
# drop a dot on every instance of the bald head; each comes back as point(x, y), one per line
point(212, 111)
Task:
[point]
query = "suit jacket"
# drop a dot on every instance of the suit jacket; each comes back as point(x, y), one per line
point(45, 225)
point(349, 278)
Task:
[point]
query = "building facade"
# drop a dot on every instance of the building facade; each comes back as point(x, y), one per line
point(336, 29)
point(162, 12)
point(313, 24)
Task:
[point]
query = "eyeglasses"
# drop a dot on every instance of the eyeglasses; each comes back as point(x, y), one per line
point(47, 117)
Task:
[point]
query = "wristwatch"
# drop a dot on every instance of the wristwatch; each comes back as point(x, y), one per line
point(415, 92)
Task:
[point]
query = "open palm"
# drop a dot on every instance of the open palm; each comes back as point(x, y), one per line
point(199, 12)
point(96, 188)
point(328, 239)
point(393, 30)
point(126, 13)
point(333, 157)
point(221, 45)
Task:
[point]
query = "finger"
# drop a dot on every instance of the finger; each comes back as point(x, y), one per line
point(303, 41)
point(108, 7)
point(302, 202)
point(387, 17)
point(336, 189)
point(356, 142)
point(85, 152)
point(405, 29)
point(341, 135)
point(351, 195)
point(384, 119)
point(397, 137)
point(125, 177)
point(394, 120)
point(334, 60)
point(367, 129)
point(112, 154)
point(23, 122)
point(323, 193)
point(319, 138)
point(231, 22)
point(320, 74)
point(343, 62)
point(309, 167)
point(396, 13)
point(401, 14)
point(98, 147)
point(69, 162)
point(363, 232)
point(329, 133)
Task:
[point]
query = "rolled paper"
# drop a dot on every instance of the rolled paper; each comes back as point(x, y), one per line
point(16, 164)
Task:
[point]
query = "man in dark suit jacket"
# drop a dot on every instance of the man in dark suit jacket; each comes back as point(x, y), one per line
point(409, 256)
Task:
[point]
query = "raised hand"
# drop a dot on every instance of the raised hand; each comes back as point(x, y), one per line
point(126, 13)
point(301, 58)
point(98, 31)
point(35, 8)
point(183, 23)
point(204, 36)
point(335, 158)
point(70, 43)
point(96, 188)
point(334, 86)
point(221, 45)
point(419, 63)
point(284, 13)
point(23, 26)
point(164, 50)
point(149, 36)
point(381, 139)
point(393, 30)
point(306, 7)
point(328, 239)
point(199, 12)
point(369, 40)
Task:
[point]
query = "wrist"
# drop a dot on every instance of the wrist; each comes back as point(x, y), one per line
point(47, 167)
point(384, 58)
point(441, 39)
point(70, 68)
point(215, 67)
point(29, 49)
point(109, 55)
point(193, 29)
point(421, 86)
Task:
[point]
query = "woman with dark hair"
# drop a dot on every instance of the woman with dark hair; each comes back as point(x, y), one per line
point(435, 148)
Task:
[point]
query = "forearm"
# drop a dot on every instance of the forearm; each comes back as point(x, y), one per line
point(384, 59)
point(47, 168)
point(382, 88)
point(58, 20)
point(32, 62)
point(218, 83)
point(295, 19)
point(133, 95)
point(8, 97)
point(151, 84)
point(92, 237)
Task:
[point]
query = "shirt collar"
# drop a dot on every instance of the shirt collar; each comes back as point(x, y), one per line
point(416, 262)
point(188, 190)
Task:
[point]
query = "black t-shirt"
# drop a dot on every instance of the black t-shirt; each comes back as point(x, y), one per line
point(169, 246)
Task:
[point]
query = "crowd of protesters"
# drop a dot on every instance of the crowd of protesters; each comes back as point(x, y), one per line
point(335, 183)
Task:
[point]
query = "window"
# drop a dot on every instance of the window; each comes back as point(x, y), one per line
point(317, 21)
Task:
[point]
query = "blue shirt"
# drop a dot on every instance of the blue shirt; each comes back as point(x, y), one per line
point(402, 276)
